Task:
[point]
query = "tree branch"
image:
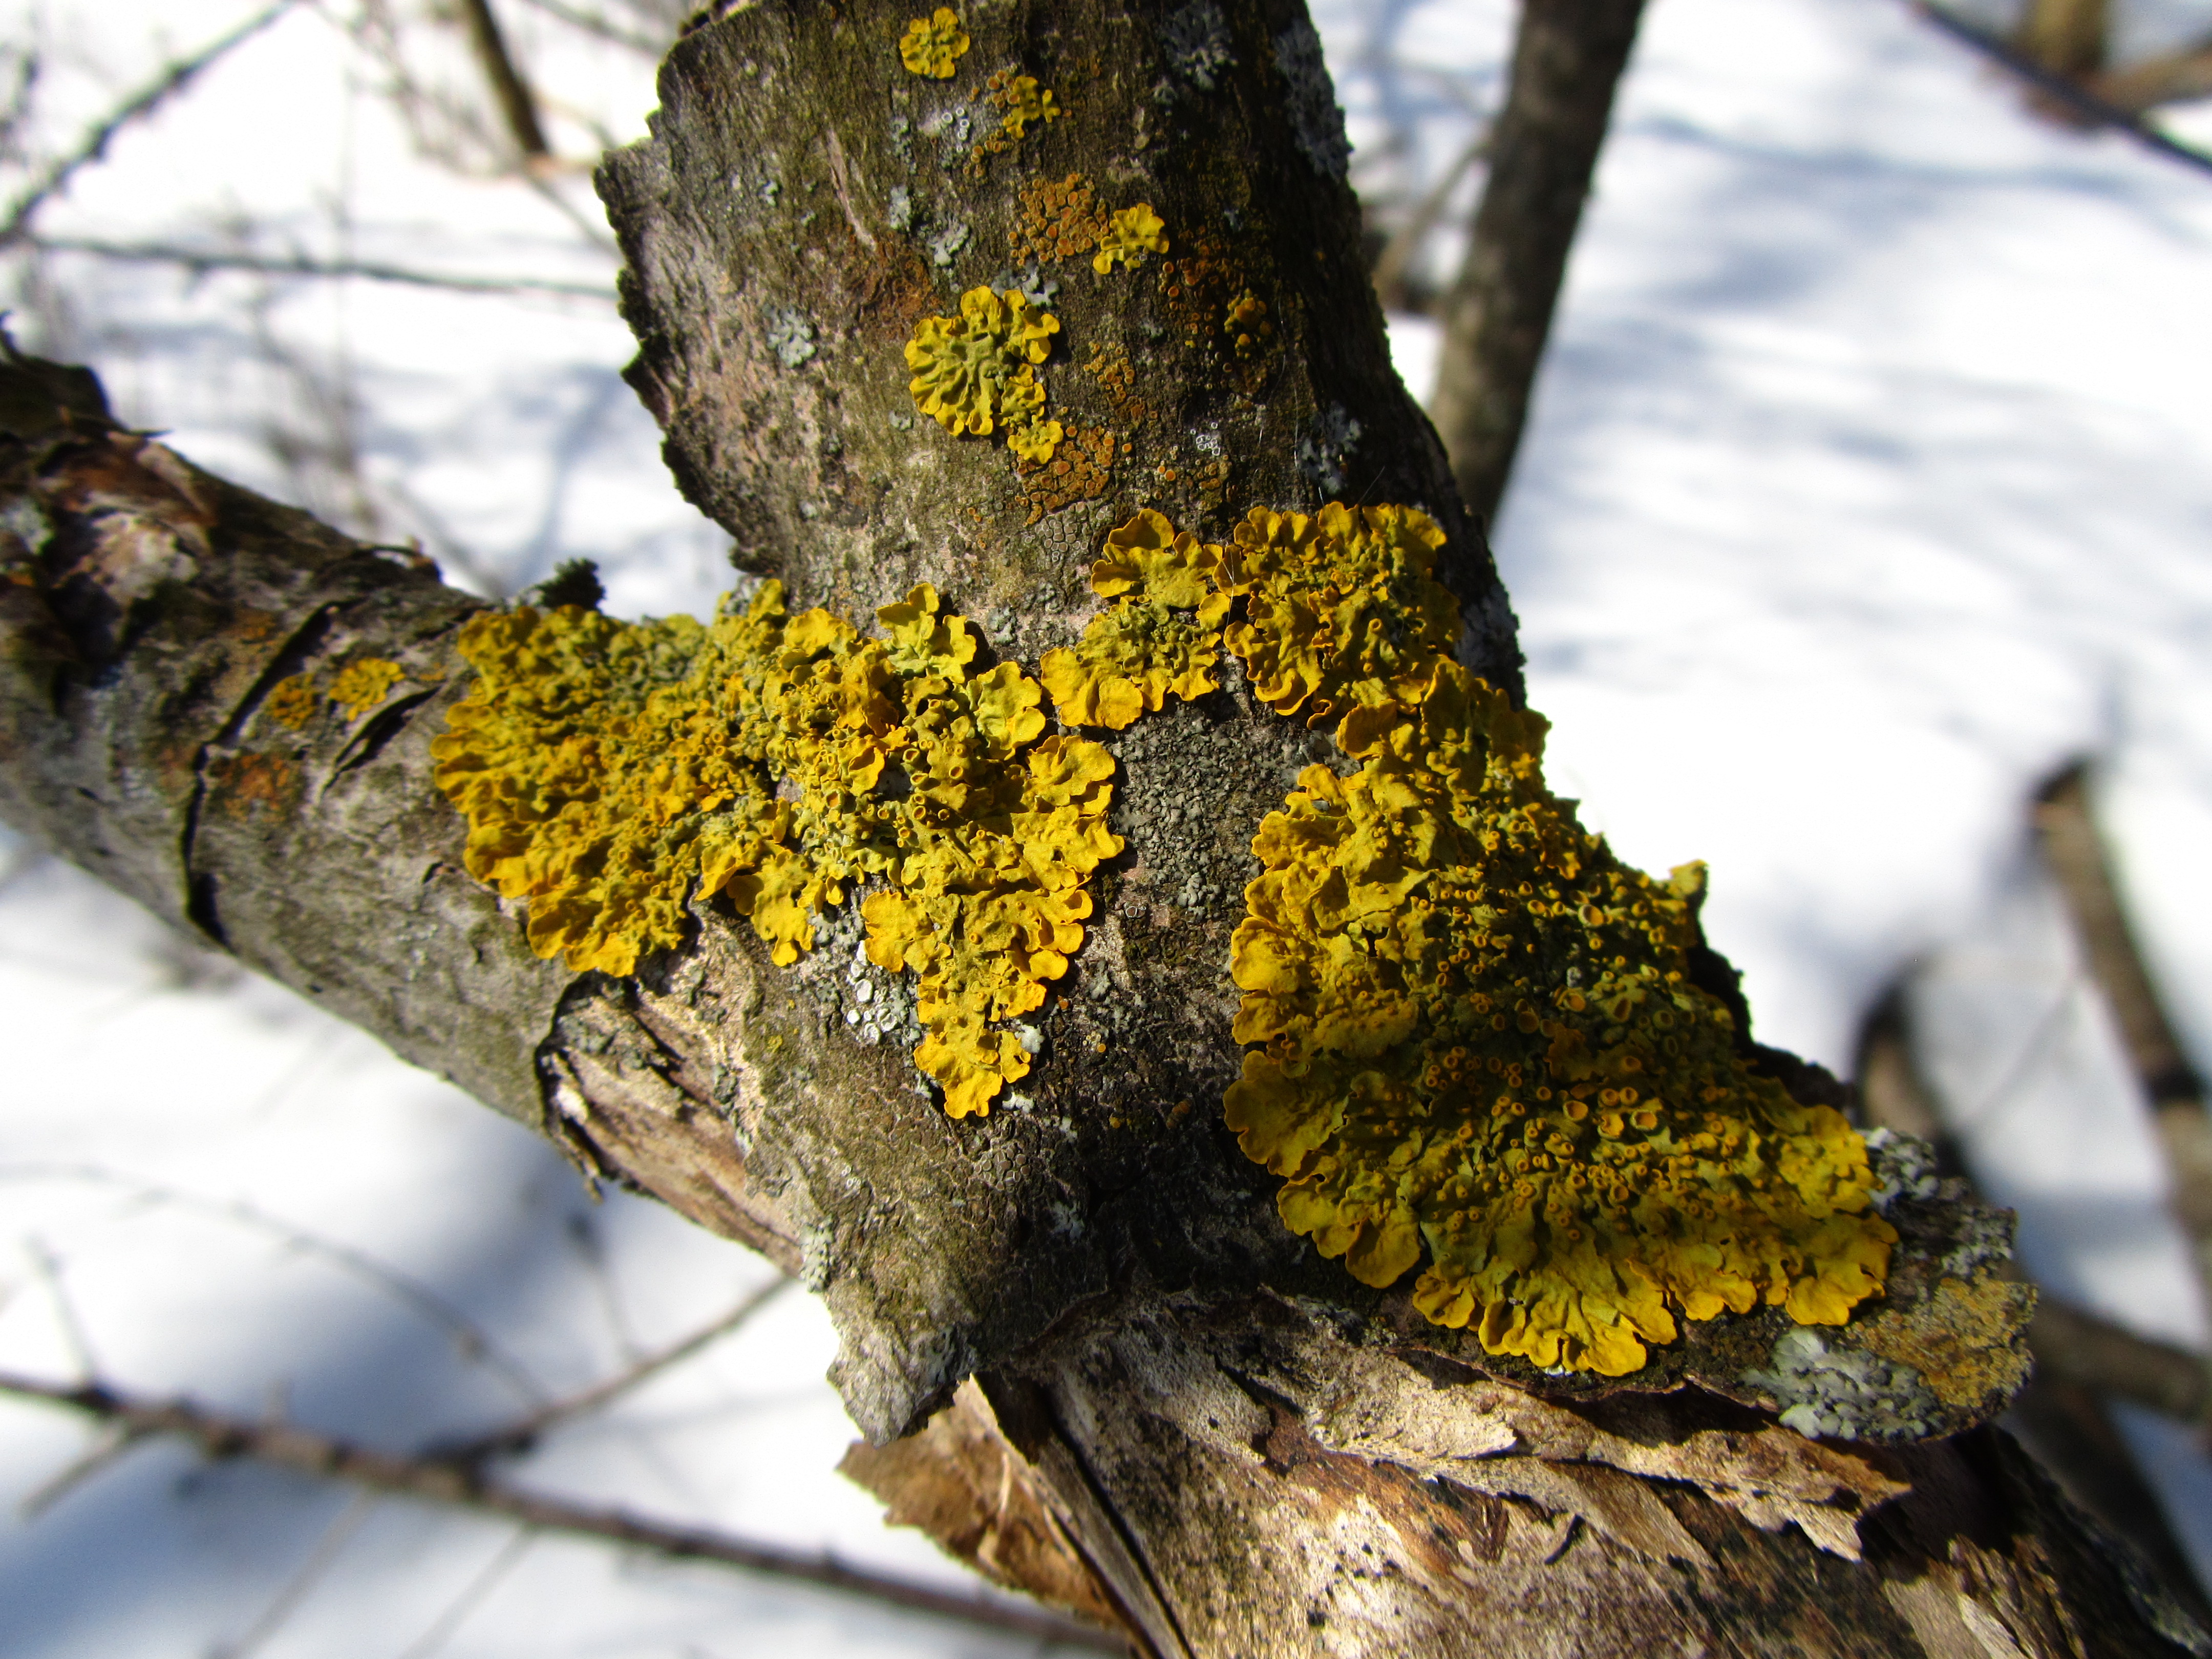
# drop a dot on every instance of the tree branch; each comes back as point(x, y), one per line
point(440, 1482)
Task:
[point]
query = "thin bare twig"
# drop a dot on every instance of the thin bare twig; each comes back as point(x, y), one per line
point(2075, 1346)
point(110, 1446)
point(287, 1446)
point(304, 1578)
point(48, 1268)
point(1398, 253)
point(521, 1434)
point(472, 1595)
point(2092, 109)
point(604, 28)
point(471, 1340)
point(518, 104)
point(141, 104)
point(199, 261)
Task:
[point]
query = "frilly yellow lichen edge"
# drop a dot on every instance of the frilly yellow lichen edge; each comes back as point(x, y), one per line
point(612, 773)
point(1412, 1104)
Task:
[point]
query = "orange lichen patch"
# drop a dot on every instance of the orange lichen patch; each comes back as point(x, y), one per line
point(1246, 325)
point(1212, 480)
point(1340, 608)
point(1474, 1034)
point(1134, 656)
point(1215, 305)
point(1962, 1341)
point(1059, 220)
point(360, 686)
point(932, 45)
point(1117, 378)
point(1026, 104)
point(976, 372)
point(613, 773)
point(242, 785)
point(1128, 236)
point(291, 702)
point(1081, 471)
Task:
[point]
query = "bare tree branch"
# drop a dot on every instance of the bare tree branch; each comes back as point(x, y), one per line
point(141, 104)
point(200, 261)
point(439, 1482)
point(518, 104)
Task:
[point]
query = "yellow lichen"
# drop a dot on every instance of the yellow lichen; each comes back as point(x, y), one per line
point(614, 773)
point(977, 373)
point(1474, 1033)
point(1341, 607)
point(360, 686)
point(1135, 654)
point(1127, 235)
point(932, 45)
point(1247, 324)
point(291, 702)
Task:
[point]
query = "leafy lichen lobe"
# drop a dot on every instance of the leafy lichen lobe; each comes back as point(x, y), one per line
point(1473, 1036)
point(613, 773)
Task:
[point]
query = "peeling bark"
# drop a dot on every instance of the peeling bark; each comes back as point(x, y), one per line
point(1217, 1435)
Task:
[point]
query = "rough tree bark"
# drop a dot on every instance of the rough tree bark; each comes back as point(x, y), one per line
point(1185, 1417)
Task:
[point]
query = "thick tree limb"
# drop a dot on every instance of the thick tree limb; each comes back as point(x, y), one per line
point(1246, 1450)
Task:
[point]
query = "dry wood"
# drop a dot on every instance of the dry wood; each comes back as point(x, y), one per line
point(1245, 1450)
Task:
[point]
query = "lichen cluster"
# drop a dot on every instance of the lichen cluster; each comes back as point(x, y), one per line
point(1473, 1031)
point(612, 773)
point(932, 45)
point(977, 373)
point(1127, 237)
point(1117, 378)
point(1213, 298)
point(360, 686)
point(291, 702)
point(1060, 219)
point(1081, 469)
point(1024, 104)
point(1140, 650)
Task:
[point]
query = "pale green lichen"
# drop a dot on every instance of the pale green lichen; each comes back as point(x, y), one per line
point(932, 47)
point(1140, 650)
point(612, 773)
point(1472, 1034)
point(977, 373)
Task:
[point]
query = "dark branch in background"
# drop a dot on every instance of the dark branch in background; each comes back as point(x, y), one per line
point(524, 1431)
point(518, 105)
point(2080, 864)
point(139, 105)
point(2079, 1359)
point(1567, 60)
point(2088, 105)
point(439, 1482)
point(1398, 254)
point(201, 261)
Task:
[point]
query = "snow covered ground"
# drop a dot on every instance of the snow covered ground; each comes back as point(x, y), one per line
point(1869, 479)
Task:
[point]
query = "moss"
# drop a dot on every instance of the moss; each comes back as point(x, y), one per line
point(1136, 655)
point(1472, 1035)
point(612, 773)
point(932, 47)
point(977, 373)
point(360, 686)
point(291, 702)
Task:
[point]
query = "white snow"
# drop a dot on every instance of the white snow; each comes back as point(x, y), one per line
point(1869, 479)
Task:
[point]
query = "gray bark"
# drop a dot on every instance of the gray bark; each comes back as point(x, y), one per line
point(1237, 1447)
